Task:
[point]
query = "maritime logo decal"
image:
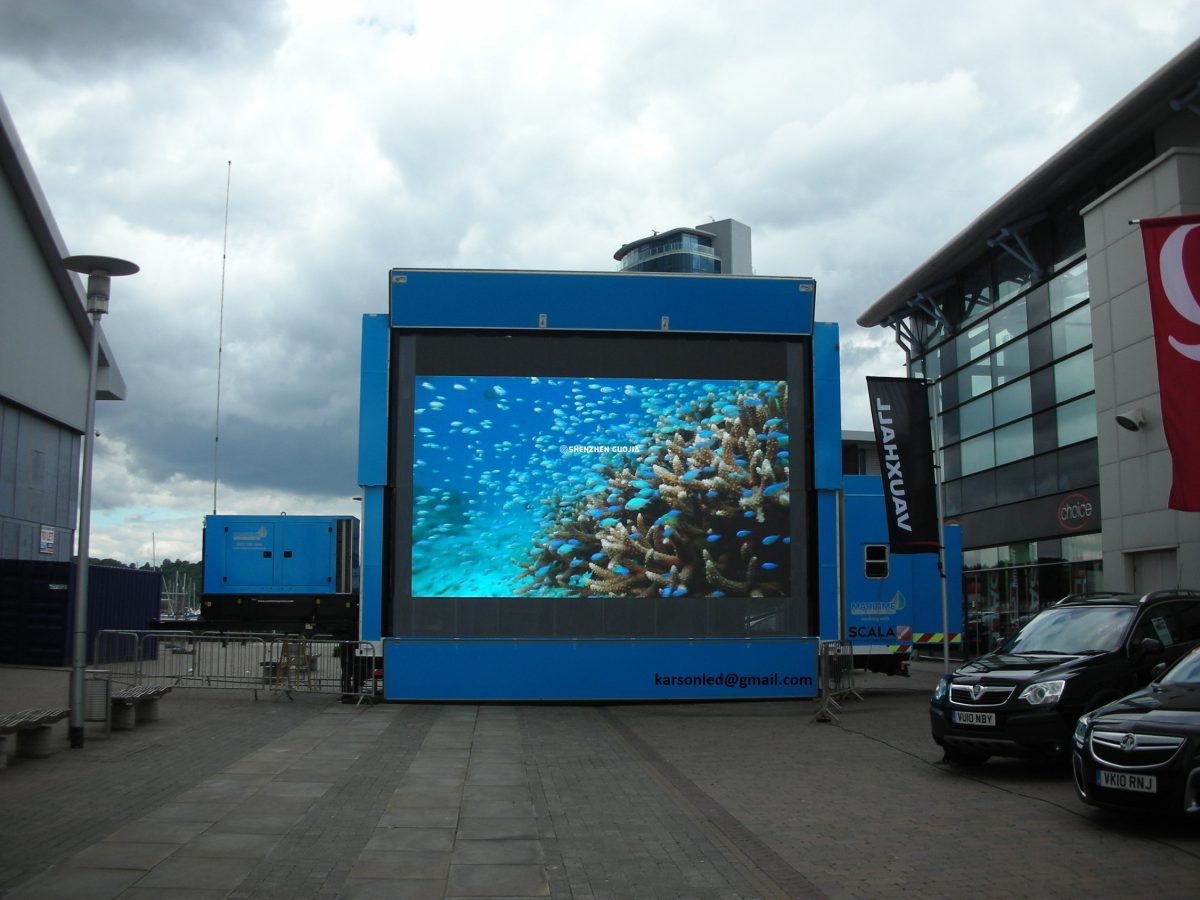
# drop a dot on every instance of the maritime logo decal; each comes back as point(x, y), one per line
point(250, 535)
point(879, 607)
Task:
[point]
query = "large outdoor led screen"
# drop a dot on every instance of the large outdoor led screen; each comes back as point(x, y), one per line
point(537, 486)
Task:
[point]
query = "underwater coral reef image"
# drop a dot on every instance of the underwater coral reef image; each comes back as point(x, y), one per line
point(601, 487)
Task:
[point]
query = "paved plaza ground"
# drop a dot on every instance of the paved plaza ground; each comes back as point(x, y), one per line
point(229, 797)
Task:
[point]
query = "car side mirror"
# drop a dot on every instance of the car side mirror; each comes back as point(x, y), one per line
point(1157, 670)
point(1149, 646)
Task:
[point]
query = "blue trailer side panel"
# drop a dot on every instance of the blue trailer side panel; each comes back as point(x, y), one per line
point(663, 669)
point(827, 563)
point(371, 603)
point(373, 401)
point(905, 607)
point(372, 468)
point(827, 408)
point(600, 301)
point(827, 470)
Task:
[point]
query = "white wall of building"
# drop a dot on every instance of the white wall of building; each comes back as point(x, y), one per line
point(44, 363)
point(1146, 545)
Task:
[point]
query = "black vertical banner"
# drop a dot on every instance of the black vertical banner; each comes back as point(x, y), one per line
point(900, 416)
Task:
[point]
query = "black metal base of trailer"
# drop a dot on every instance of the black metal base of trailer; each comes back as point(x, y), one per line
point(335, 616)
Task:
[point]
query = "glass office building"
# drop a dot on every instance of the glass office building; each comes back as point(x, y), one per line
point(1009, 351)
point(1000, 323)
point(680, 250)
point(714, 248)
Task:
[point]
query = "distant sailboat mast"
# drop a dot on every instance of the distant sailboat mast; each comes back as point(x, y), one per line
point(220, 335)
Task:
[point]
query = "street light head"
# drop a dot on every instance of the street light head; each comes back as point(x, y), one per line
point(99, 270)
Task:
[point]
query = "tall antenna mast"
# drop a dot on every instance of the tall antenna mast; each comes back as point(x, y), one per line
point(221, 334)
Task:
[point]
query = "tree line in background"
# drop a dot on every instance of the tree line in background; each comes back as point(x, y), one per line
point(178, 574)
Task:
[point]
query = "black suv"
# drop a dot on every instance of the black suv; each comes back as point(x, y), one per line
point(1086, 650)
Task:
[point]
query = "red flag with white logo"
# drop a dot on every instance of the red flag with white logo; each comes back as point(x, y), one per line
point(1172, 248)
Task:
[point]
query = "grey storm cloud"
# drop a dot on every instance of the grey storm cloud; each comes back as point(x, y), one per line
point(298, 459)
point(540, 135)
point(95, 36)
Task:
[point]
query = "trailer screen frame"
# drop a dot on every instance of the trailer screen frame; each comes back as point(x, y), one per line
point(463, 353)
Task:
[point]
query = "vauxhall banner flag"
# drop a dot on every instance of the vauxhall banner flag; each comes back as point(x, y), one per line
point(900, 414)
point(1172, 249)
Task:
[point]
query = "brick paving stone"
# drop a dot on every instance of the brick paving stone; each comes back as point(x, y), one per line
point(313, 799)
point(53, 808)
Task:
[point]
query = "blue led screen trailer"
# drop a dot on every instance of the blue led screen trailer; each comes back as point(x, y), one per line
point(532, 486)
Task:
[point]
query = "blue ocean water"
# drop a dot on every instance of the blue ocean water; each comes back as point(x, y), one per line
point(541, 487)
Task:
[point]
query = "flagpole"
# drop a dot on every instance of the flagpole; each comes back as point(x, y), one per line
point(937, 475)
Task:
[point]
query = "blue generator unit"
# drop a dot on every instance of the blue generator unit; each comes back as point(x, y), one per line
point(292, 574)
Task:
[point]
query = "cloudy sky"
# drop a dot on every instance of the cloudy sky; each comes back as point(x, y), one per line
point(853, 138)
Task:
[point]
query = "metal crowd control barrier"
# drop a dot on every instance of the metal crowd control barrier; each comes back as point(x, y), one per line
point(835, 673)
point(281, 664)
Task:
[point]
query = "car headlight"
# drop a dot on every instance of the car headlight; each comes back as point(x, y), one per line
point(939, 692)
point(1044, 693)
point(1081, 731)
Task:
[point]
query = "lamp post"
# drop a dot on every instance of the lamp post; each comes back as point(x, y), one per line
point(99, 270)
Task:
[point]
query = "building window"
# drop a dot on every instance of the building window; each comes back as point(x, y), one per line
point(978, 454)
point(977, 294)
point(1082, 547)
point(1011, 362)
point(1069, 289)
point(979, 491)
point(1077, 420)
point(1074, 376)
point(1077, 465)
point(1012, 402)
point(974, 343)
point(952, 498)
point(1015, 482)
point(975, 379)
point(975, 417)
point(875, 560)
point(1008, 323)
point(1014, 442)
point(1072, 332)
point(1012, 277)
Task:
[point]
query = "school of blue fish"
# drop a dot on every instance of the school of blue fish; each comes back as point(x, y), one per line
point(569, 487)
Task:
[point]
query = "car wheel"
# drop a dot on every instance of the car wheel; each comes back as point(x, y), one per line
point(957, 756)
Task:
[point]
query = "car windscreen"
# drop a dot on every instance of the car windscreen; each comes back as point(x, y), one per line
point(1079, 629)
point(1186, 671)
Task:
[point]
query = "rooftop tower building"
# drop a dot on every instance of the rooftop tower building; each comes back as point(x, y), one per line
point(713, 248)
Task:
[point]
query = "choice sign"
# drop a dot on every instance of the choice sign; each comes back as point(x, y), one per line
point(1075, 512)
